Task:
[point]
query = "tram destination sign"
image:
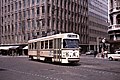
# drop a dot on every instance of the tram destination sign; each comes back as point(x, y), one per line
point(72, 36)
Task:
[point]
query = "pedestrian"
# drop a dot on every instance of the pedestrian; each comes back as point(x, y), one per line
point(105, 54)
point(102, 55)
point(95, 53)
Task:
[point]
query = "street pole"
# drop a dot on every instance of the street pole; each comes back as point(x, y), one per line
point(98, 44)
point(103, 47)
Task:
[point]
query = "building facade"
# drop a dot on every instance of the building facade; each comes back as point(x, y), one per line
point(114, 28)
point(98, 17)
point(22, 20)
point(0, 24)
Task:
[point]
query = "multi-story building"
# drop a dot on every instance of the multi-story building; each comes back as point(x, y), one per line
point(0, 24)
point(98, 17)
point(114, 28)
point(22, 20)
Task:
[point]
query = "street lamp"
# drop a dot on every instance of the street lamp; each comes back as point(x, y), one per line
point(104, 53)
point(103, 41)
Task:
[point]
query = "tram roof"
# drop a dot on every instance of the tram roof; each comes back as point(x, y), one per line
point(63, 35)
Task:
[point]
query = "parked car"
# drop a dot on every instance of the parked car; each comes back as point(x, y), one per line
point(114, 56)
point(90, 52)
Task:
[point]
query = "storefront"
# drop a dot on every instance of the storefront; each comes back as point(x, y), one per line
point(25, 50)
point(12, 50)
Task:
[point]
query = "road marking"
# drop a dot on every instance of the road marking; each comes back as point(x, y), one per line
point(42, 76)
point(89, 70)
point(73, 74)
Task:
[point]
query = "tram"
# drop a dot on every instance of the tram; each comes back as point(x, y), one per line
point(63, 48)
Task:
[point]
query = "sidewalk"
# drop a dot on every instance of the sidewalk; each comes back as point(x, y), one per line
point(100, 57)
point(13, 56)
point(87, 56)
point(92, 56)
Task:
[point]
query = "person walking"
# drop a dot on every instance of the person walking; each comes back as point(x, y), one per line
point(95, 53)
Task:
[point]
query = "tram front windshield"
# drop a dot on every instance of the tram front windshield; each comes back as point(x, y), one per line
point(70, 43)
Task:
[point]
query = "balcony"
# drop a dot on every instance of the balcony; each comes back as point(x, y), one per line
point(114, 10)
point(114, 27)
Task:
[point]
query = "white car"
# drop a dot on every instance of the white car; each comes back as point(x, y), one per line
point(114, 56)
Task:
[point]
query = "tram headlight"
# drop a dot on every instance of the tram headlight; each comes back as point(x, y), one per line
point(74, 54)
point(63, 55)
point(67, 54)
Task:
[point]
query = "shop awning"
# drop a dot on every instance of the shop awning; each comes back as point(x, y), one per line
point(26, 47)
point(14, 47)
point(8, 47)
point(5, 47)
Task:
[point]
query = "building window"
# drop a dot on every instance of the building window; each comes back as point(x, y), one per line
point(15, 16)
point(29, 2)
point(5, 9)
point(33, 23)
point(118, 19)
point(38, 12)
point(12, 7)
point(20, 16)
point(2, 10)
point(33, 1)
point(28, 24)
point(28, 13)
point(16, 27)
point(38, 23)
point(16, 5)
point(38, 33)
point(24, 13)
point(8, 8)
point(12, 27)
point(38, 1)
point(20, 4)
point(28, 36)
point(43, 22)
point(48, 22)
point(43, 1)
point(33, 12)
point(48, 9)
point(24, 3)
point(5, 1)
point(43, 9)
point(20, 26)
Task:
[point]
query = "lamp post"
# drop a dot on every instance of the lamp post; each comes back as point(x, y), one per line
point(103, 47)
point(103, 41)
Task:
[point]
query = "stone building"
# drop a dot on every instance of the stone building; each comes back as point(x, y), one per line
point(98, 23)
point(0, 24)
point(114, 28)
point(22, 20)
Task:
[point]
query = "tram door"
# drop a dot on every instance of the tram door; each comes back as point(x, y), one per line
point(57, 50)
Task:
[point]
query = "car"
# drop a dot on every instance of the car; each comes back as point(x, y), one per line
point(90, 52)
point(114, 56)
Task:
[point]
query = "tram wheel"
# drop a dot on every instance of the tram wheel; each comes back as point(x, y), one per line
point(47, 59)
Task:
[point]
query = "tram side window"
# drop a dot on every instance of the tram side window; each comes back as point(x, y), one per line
point(42, 44)
point(55, 43)
point(50, 44)
point(29, 46)
point(32, 45)
point(46, 44)
point(59, 43)
point(35, 45)
point(38, 45)
point(64, 44)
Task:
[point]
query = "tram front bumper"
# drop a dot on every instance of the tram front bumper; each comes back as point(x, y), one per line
point(73, 59)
